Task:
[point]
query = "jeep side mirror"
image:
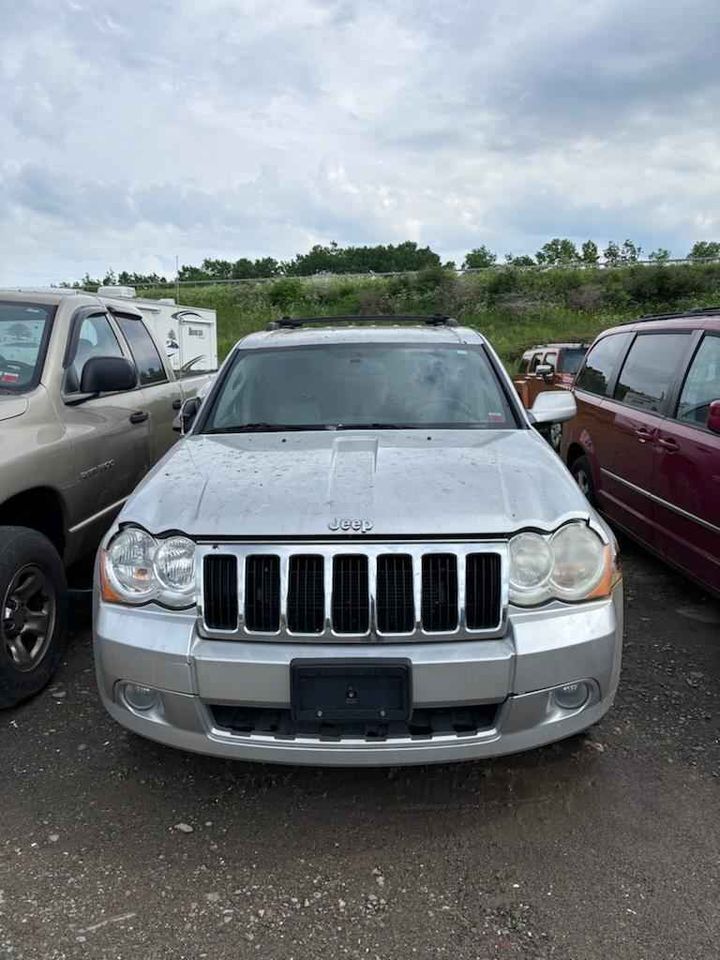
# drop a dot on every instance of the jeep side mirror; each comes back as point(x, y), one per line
point(107, 375)
point(713, 420)
point(184, 420)
point(553, 406)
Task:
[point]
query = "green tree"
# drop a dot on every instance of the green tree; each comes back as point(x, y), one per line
point(522, 261)
point(478, 258)
point(705, 250)
point(661, 255)
point(589, 253)
point(558, 252)
point(630, 252)
point(611, 254)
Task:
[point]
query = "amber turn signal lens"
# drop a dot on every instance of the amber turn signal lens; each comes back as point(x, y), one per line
point(611, 576)
point(106, 591)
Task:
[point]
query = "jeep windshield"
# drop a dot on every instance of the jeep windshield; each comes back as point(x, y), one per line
point(359, 386)
point(24, 331)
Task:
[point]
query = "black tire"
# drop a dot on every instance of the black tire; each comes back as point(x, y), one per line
point(582, 471)
point(33, 600)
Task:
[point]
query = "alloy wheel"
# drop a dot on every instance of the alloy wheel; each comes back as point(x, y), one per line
point(29, 609)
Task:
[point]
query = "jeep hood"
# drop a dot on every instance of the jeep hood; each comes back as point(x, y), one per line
point(12, 406)
point(405, 483)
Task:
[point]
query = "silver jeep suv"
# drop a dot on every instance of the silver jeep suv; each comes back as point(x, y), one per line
point(360, 553)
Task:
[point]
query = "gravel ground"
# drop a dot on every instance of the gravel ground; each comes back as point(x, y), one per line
point(603, 846)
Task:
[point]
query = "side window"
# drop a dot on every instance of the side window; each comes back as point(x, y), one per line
point(143, 349)
point(537, 359)
point(648, 372)
point(702, 384)
point(601, 363)
point(95, 339)
point(551, 358)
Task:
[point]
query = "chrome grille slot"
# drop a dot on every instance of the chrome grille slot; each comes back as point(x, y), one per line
point(482, 590)
point(220, 591)
point(394, 593)
point(439, 592)
point(361, 592)
point(306, 594)
point(350, 596)
point(262, 593)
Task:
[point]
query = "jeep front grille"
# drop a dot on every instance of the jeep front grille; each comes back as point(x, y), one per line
point(262, 593)
point(221, 596)
point(306, 594)
point(482, 589)
point(350, 594)
point(394, 593)
point(439, 592)
point(373, 592)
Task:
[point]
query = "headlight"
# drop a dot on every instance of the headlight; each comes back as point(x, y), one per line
point(130, 565)
point(531, 563)
point(579, 561)
point(573, 564)
point(137, 568)
point(175, 565)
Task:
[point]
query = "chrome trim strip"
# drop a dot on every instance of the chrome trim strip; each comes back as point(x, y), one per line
point(328, 550)
point(663, 503)
point(97, 516)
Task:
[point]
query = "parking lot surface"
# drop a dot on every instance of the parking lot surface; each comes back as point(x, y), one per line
point(607, 845)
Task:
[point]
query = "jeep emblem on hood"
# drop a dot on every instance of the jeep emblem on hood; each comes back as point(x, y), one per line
point(351, 523)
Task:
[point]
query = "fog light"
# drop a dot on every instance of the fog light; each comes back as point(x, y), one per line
point(572, 696)
point(140, 698)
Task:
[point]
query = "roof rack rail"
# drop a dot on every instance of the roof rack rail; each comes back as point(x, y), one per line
point(692, 312)
point(432, 320)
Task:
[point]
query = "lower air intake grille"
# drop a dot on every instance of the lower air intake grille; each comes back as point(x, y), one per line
point(262, 593)
point(424, 724)
point(306, 594)
point(394, 597)
point(439, 592)
point(350, 597)
point(220, 592)
point(482, 585)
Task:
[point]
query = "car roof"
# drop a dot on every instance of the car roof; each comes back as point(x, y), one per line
point(555, 345)
point(304, 336)
point(51, 297)
point(707, 318)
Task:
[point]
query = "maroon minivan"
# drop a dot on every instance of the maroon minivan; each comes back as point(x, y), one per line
point(645, 445)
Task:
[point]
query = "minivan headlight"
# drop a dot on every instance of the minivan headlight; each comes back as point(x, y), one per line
point(573, 564)
point(137, 568)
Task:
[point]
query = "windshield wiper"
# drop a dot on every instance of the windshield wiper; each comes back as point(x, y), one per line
point(267, 427)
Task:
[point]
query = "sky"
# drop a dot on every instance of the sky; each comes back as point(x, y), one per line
point(135, 131)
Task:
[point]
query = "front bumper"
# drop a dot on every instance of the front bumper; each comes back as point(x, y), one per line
point(542, 649)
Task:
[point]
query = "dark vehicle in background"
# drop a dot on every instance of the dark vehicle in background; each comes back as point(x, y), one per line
point(645, 445)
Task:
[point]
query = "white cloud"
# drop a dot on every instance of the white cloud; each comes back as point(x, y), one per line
point(134, 130)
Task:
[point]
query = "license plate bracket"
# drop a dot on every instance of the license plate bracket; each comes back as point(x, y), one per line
point(344, 690)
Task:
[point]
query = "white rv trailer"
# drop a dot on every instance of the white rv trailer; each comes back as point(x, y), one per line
point(189, 333)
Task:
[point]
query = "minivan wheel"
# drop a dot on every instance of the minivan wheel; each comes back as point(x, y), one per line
point(32, 613)
point(582, 471)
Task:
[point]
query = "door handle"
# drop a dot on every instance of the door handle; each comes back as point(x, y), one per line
point(667, 444)
point(140, 416)
point(177, 404)
point(643, 434)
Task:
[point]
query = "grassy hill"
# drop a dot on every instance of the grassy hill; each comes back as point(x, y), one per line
point(514, 307)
